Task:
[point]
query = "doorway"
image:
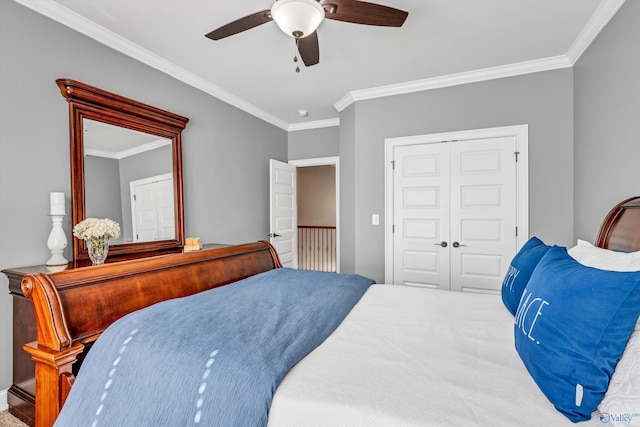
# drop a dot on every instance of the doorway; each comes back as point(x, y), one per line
point(318, 222)
point(316, 189)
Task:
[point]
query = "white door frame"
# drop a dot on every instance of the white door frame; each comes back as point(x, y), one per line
point(326, 161)
point(520, 132)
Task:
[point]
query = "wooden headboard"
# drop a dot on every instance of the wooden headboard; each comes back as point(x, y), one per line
point(72, 308)
point(620, 229)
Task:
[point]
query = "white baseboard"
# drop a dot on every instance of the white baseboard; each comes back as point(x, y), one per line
point(3, 400)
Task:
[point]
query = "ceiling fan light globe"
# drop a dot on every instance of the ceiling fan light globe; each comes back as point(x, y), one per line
point(297, 16)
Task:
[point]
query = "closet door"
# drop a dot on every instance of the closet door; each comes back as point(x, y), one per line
point(483, 212)
point(421, 215)
point(454, 213)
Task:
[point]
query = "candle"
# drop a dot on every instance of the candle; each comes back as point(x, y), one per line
point(57, 203)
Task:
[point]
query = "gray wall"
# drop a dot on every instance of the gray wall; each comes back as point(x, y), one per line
point(316, 187)
point(543, 100)
point(314, 143)
point(225, 151)
point(102, 190)
point(607, 121)
point(348, 190)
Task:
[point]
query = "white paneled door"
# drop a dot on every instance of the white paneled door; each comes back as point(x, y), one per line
point(283, 234)
point(152, 208)
point(483, 212)
point(454, 213)
point(421, 215)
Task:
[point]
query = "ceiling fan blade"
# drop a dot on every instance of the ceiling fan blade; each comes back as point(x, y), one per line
point(308, 49)
point(360, 12)
point(241, 25)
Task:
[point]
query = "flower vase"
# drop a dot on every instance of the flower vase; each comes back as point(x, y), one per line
point(98, 248)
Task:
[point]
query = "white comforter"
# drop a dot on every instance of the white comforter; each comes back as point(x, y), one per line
point(409, 356)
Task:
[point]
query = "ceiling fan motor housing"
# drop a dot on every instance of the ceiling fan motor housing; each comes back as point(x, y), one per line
point(297, 18)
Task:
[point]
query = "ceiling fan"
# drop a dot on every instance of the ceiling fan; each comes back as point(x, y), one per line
point(300, 19)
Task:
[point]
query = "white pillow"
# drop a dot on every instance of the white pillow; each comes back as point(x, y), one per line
point(604, 259)
point(621, 403)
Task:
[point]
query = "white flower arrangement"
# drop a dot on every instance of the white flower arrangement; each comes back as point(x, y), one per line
point(92, 228)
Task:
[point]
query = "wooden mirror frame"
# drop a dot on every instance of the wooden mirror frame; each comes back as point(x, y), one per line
point(96, 104)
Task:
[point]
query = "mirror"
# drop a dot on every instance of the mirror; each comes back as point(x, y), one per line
point(126, 164)
point(128, 178)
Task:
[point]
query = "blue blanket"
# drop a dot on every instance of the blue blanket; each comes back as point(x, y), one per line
point(210, 359)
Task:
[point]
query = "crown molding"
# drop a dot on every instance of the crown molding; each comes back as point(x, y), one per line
point(90, 29)
point(603, 14)
point(601, 17)
point(158, 143)
point(510, 70)
point(314, 125)
point(101, 153)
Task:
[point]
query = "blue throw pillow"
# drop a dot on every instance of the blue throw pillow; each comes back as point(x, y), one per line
point(520, 271)
point(571, 327)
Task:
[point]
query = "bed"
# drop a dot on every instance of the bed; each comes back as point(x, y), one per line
point(402, 356)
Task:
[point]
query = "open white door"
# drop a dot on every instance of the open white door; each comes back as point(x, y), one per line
point(283, 224)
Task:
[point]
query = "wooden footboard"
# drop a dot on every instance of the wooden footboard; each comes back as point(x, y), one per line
point(74, 307)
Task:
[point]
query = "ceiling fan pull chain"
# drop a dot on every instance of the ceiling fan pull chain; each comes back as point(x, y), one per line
point(295, 56)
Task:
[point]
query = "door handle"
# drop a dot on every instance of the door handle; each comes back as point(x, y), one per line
point(274, 235)
point(457, 245)
point(443, 244)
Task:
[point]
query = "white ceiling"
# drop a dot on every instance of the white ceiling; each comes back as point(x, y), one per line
point(104, 140)
point(443, 42)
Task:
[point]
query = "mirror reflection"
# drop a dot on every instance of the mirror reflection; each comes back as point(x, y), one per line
point(129, 178)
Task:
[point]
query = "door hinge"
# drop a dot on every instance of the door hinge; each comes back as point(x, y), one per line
point(393, 228)
point(516, 231)
point(516, 153)
point(393, 165)
point(134, 197)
